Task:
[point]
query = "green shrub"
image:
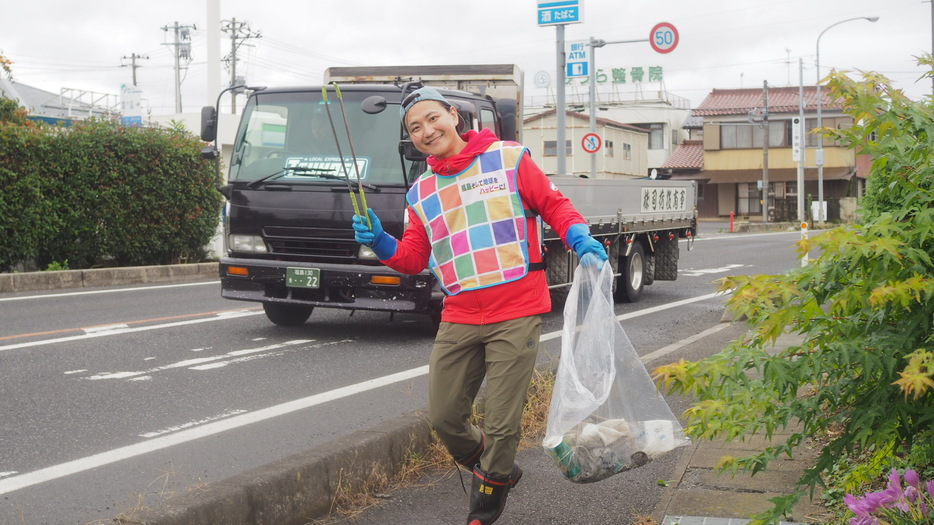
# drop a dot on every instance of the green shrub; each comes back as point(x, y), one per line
point(140, 195)
point(863, 377)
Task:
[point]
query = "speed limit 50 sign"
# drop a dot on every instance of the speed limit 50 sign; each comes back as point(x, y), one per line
point(664, 37)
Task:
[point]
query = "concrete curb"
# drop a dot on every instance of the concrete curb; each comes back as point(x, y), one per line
point(96, 277)
point(297, 489)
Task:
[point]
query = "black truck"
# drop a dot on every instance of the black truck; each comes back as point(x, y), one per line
point(287, 221)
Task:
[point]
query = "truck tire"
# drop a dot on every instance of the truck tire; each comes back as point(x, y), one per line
point(648, 276)
point(287, 314)
point(558, 271)
point(666, 259)
point(630, 281)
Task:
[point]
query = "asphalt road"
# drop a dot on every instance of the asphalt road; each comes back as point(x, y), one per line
point(113, 399)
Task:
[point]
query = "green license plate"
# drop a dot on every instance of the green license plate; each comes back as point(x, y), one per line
point(303, 277)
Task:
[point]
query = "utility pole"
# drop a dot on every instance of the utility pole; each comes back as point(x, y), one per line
point(765, 151)
point(239, 31)
point(182, 50)
point(132, 58)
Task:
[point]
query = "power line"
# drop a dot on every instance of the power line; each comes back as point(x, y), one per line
point(182, 51)
point(132, 58)
point(239, 32)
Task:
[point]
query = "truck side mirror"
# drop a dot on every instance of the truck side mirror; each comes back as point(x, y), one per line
point(373, 104)
point(408, 151)
point(208, 123)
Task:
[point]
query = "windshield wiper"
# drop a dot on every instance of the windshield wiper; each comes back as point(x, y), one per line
point(322, 173)
point(282, 172)
point(357, 184)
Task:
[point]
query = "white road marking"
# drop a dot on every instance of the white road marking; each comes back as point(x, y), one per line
point(692, 272)
point(10, 473)
point(190, 424)
point(106, 328)
point(218, 317)
point(661, 352)
point(130, 451)
point(193, 363)
point(70, 372)
point(54, 472)
point(632, 315)
point(221, 364)
point(96, 292)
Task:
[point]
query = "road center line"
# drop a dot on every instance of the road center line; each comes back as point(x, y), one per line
point(114, 290)
point(54, 472)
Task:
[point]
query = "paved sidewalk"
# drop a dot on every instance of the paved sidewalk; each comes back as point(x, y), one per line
point(699, 496)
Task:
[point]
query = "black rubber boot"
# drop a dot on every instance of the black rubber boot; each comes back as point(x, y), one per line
point(488, 495)
point(472, 459)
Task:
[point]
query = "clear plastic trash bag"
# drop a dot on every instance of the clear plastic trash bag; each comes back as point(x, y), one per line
point(606, 414)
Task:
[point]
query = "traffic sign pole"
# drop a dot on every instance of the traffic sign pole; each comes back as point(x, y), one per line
point(559, 13)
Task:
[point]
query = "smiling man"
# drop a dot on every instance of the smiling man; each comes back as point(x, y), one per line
point(472, 221)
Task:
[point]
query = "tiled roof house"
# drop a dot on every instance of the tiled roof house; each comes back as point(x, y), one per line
point(727, 155)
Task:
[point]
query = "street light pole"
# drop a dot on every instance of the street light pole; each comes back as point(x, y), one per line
point(594, 44)
point(819, 157)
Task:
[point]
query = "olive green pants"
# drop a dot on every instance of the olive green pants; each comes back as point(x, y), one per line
point(462, 356)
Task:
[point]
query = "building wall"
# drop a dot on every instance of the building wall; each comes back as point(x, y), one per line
point(779, 158)
point(647, 113)
point(536, 132)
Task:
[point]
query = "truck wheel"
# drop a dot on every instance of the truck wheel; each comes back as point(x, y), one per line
point(666, 259)
point(648, 276)
point(630, 281)
point(287, 314)
point(558, 271)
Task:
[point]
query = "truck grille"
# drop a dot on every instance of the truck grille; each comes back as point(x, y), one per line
point(320, 244)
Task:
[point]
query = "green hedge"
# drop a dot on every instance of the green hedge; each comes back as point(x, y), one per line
point(140, 195)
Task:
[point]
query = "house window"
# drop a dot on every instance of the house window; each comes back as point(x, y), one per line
point(746, 136)
point(656, 136)
point(551, 148)
point(627, 151)
point(828, 122)
point(609, 148)
point(791, 189)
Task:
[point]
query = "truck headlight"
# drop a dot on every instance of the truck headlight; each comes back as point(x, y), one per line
point(366, 253)
point(246, 243)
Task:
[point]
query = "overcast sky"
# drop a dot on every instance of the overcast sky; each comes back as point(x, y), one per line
point(58, 44)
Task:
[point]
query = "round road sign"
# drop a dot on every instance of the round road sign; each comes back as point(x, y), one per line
point(664, 37)
point(592, 142)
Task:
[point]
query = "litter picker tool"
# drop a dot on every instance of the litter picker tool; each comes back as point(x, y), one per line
point(353, 154)
point(350, 188)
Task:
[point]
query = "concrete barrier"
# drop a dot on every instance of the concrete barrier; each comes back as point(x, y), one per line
point(98, 277)
point(300, 488)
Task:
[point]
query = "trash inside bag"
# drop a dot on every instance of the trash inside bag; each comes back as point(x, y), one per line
point(606, 415)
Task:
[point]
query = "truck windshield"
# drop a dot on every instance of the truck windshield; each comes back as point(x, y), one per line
point(288, 138)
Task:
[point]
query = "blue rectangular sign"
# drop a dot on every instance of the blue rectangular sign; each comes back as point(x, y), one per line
point(577, 69)
point(559, 12)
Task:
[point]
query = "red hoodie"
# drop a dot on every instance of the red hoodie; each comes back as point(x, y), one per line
point(502, 302)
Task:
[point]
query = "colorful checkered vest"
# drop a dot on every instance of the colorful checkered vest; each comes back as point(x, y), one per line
point(475, 221)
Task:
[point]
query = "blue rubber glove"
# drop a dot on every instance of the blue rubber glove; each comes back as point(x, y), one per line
point(579, 239)
point(382, 244)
